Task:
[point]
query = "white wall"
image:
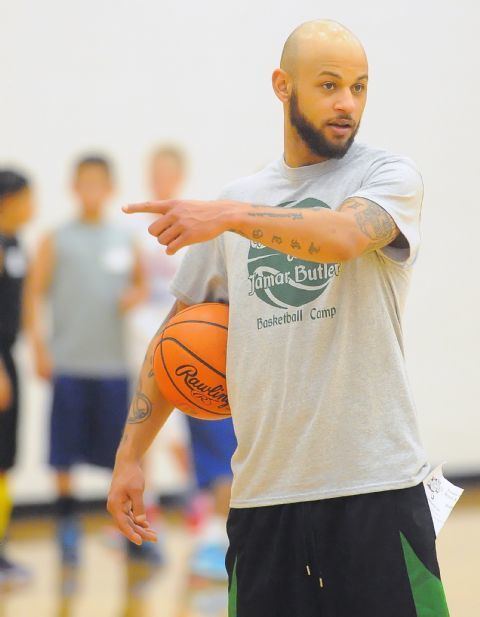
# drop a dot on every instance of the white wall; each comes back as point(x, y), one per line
point(120, 76)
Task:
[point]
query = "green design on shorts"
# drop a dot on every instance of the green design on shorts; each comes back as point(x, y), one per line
point(232, 593)
point(427, 589)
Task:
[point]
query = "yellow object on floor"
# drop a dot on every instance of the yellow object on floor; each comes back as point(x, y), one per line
point(5, 506)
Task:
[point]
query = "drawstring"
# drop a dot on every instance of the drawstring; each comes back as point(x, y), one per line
point(311, 565)
point(305, 530)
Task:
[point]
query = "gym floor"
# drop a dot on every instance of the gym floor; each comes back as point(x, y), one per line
point(105, 586)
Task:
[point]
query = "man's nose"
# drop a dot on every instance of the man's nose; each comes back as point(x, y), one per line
point(345, 101)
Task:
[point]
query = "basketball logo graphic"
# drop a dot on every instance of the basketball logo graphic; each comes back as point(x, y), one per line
point(282, 280)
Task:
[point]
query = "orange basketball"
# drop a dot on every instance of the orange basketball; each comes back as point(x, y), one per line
point(190, 361)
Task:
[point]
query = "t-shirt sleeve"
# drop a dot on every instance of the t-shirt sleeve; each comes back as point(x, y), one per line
point(201, 276)
point(395, 184)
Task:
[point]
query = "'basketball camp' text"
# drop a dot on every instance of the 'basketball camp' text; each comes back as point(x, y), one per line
point(295, 316)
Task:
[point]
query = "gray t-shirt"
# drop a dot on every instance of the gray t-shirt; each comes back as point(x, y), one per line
point(316, 376)
point(93, 267)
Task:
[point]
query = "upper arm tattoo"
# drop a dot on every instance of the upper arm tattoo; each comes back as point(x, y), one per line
point(372, 220)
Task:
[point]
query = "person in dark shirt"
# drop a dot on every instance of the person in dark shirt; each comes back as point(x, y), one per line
point(15, 211)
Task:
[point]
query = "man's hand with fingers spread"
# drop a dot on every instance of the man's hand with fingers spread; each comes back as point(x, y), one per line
point(125, 502)
point(184, 222)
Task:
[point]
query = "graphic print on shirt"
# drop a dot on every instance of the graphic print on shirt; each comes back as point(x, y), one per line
point(282, 280)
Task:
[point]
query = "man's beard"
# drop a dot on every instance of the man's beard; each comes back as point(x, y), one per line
point(313, 137)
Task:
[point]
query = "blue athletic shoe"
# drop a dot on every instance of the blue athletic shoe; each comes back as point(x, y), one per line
point(68, 583)
point(12, 573)
point(68, 535)
point(148, 553)
point(208, 561)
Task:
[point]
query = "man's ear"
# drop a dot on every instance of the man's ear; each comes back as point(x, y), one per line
point(281, 83)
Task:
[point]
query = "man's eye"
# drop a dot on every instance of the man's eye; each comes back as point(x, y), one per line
point(328, 85)
point(358, 88)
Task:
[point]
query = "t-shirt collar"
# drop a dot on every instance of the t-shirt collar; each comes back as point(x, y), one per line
point(306, 172)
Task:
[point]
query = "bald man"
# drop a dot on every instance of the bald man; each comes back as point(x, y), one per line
point(314, 254)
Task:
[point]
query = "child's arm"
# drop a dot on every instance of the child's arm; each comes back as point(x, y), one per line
point(137, 292)
point(5, 388)
point(36, 288)
point(5, 385)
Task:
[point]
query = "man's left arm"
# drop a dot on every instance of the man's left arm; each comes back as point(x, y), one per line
point(322, 235)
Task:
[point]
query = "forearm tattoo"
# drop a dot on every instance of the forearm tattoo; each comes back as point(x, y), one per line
point(151, 371)
point(372, 220)
point(274, 214)
point(240, 233)
point(141, 407)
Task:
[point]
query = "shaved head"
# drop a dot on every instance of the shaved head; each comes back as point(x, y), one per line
point(322, 37)
point(322, 83)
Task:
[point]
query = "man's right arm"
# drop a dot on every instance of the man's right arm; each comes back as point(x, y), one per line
point(149, 411)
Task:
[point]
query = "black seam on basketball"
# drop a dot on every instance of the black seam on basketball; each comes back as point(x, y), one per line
point(171, 380)
point(194, 306)
point(226, 415)
point(185, 348)
point(215, 413)
point(208, 323)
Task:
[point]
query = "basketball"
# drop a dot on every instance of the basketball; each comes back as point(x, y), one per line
point(190, 360)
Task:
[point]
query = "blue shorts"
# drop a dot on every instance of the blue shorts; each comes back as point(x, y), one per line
point(213, 445)
point(88, 417)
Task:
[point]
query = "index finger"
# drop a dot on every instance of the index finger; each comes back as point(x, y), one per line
point(152, 207)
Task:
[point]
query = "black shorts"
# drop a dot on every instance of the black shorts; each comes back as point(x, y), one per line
point(9, 417)
point(369, 555)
